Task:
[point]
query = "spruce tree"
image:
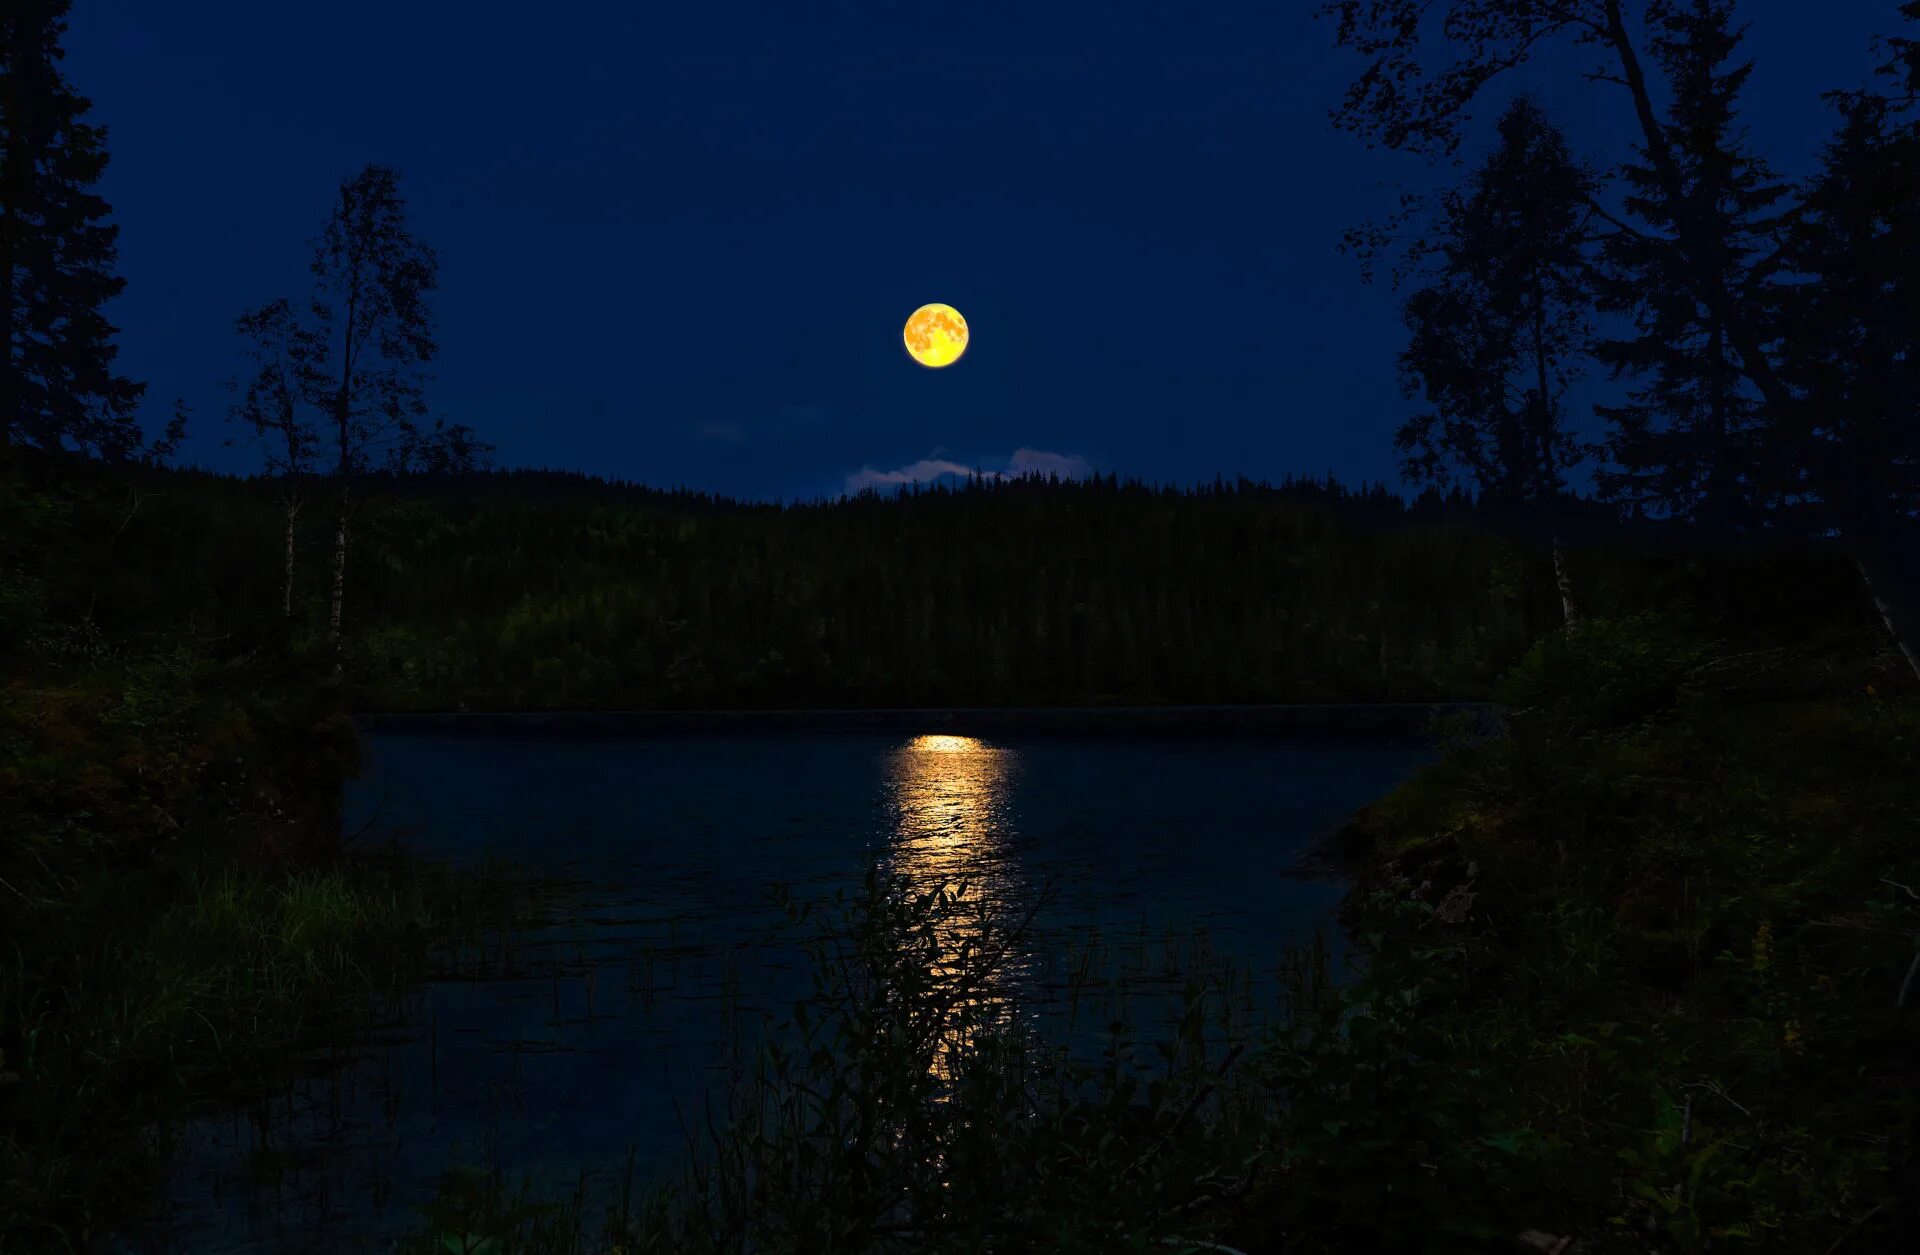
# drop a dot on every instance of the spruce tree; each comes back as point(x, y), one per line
point(1692, 439)
point(58, 386)
point(1854, 349)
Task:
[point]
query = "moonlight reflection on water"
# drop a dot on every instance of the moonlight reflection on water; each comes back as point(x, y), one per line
point(953, 829)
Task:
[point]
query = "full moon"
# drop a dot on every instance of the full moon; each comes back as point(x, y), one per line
point(936, 335)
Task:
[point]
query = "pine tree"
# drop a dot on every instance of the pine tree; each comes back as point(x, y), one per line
point(1498, 337)
point(58, 387)
point(1692, 440)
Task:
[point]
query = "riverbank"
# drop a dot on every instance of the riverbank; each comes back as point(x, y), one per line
point(1659, 939)
point(1296, 719)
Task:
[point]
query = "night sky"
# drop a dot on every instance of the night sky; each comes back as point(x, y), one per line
point(677, 244)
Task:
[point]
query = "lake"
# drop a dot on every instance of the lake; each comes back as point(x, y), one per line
point(666, 947)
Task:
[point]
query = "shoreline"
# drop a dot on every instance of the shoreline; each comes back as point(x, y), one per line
point(1301, 719)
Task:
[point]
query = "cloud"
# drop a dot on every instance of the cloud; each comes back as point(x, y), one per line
point(921, 472)
point(1023, 462)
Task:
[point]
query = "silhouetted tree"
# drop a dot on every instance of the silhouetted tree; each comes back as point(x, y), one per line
point(1403, 102)
point(162, 451)
point(286, 359)
point(442, 449)
point(1500, 333)
point(1904, 66)
point(58, 387)
point(1854, 351)
point(1692, 440)
point(370, 317)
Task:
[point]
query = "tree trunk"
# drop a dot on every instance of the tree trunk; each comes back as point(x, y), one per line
point(1543, 433)
point(10, 391)
point(286, 581)
point(339, 588)
point(1884, 587)
point(1565, 584)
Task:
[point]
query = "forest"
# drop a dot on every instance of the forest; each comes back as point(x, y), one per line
point(514, 590)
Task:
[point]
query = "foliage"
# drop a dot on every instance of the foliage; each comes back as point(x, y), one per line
point(58, 385)
point(482, 597)
point(1856, 321)
point(1497, 338)
point(1691, 440)
point(1602, 675)
point(1677, 947)
point(176, 916)
point(145, 991)
point(1776, 330)
point(359, 361)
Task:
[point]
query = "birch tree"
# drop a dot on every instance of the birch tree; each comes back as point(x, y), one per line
point(273, 407)
point(1499, 334)
point(374, 336)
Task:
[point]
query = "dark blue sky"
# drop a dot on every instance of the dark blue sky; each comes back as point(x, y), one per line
point(678, 243)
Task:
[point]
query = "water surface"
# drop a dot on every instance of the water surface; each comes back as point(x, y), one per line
point(668, 949)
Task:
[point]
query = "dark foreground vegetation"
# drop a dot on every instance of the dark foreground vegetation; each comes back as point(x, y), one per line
point(180, 922)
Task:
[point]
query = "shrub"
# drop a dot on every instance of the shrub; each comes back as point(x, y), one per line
point(1601, 676)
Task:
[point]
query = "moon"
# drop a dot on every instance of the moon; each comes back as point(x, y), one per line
point(936, 335)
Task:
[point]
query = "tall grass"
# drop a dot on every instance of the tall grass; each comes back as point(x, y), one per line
point(910, 1102)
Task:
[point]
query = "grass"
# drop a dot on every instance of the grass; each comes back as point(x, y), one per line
point(152, 993)
point(1674, 911)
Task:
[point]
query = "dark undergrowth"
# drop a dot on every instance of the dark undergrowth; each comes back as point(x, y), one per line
point(160, 993)
point(181, 923)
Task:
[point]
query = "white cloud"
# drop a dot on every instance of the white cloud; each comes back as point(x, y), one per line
point(923, 471)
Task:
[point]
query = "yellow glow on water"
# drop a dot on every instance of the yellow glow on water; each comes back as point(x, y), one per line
point(951, 822)
point(946, 745)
